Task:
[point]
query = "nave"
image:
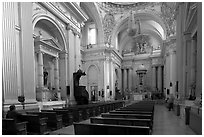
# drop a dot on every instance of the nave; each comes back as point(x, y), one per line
point(65, 62)
point(165, 123)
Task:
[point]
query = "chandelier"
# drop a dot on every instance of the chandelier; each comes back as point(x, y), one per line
point(141, 41)
point(134, 27)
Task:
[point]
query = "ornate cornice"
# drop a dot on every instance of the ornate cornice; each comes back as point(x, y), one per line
point(120, 8)
point(56, 9)
point(74, 30)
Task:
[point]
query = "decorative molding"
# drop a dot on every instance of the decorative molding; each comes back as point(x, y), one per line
point(108, 25)
point(52, 8)
point(168, 13)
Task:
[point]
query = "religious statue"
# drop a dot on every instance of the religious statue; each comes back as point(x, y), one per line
point(45, 76)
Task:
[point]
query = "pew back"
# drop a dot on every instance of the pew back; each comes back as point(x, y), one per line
point(36, 124)
point(54, 121)
point(122, 121)
point(133, 116)
point(105, 129)
point(11, 127)
point(67, 117)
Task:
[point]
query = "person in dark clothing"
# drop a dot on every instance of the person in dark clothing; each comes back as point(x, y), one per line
point(171, 102)
point(12, 113)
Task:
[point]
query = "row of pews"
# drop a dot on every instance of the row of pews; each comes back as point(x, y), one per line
point(135, 119)
point(40, 123)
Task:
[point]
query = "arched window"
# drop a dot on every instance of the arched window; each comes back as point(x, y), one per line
point(92, 34)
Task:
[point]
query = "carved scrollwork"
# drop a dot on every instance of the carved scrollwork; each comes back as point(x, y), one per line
point(168, 12)
point(108, 25)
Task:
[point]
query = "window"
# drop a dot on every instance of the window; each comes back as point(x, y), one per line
point(92, 34)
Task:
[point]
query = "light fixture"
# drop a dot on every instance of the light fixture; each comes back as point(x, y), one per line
point(131, 25)
point(140, 41)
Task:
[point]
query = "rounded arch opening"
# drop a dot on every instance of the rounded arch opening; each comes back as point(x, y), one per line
point(52, 27)
point(150, 19)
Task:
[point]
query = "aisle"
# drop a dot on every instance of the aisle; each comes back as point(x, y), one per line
point(167, 123)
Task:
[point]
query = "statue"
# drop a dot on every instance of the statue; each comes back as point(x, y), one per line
point(45, 76)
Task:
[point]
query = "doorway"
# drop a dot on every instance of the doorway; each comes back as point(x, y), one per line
point(94, 93)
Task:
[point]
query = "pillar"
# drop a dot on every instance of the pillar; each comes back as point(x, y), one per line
point(130, 79)
point(193, 60)
point(159, 78)
point(63, 74)
point(40, 70)
point(124, 79)
point(56, 77)
point(187, 64)
point(9, 59)
point(199, 52)
point(71, 63)
point(120, 79)
point(153, 77)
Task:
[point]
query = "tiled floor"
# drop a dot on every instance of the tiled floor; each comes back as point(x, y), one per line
point(165, 123)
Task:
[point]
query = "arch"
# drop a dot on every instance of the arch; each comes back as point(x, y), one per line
point(150, 15)
point(94, 66)
point(93, 82)
point(40, 16)
point(92, 73)
point(127, 39)
point(92, 10)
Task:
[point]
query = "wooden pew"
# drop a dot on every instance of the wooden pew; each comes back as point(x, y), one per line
point(131, 112)
point(36, 124)
point(54, 120)
point(76, 113)
point(67, 117)
point(107, 129)
point(11, 127)
point(122, 121)
point(92, 112)
point(132, 116)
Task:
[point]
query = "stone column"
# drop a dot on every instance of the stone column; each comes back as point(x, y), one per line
point(193, 60)
point(199, 52)
point(153, 77)
point(124, 79)
point(9, 59)
point(63, 74)
point(159, 76)
point(40, 70)
point(130, 79)
point(71, 64)
point(187, 65)
point(75, 55)
point(56, 77)
point(120, 79)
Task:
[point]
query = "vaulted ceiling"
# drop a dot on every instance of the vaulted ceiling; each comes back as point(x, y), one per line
point(157, 20)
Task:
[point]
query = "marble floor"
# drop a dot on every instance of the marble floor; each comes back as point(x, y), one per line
point(165, 123)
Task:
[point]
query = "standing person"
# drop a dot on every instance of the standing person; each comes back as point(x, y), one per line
point(171, 102)
point(12, 113)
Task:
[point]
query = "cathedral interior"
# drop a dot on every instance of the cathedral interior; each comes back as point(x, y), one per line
point(102, 68)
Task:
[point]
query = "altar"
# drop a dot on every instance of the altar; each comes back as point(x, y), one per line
point(138, 96)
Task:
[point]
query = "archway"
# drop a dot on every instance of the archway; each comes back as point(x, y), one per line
point(151, 24)
point(50, 51)
point(93, 83)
